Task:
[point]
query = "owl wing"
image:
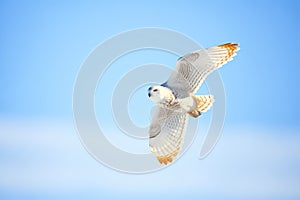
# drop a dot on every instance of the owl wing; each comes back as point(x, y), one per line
point(192, 69)
point(166, 133)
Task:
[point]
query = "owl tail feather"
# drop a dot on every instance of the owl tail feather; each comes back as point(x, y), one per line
point(203, 104)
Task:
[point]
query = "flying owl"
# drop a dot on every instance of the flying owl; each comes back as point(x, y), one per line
point(176, 99)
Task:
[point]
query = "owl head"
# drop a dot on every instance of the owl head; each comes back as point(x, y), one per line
point(160, 94)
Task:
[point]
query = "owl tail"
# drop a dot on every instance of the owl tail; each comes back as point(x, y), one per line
point(202, 104)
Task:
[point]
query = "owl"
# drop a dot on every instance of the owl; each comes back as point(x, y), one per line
point(176, 99)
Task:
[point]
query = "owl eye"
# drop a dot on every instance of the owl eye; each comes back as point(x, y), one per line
point(155, 90)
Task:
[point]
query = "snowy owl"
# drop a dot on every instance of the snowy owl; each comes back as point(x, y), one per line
point(176, 99)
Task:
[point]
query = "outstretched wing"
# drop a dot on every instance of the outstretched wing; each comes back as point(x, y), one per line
point(193, 68)
point(166, 133)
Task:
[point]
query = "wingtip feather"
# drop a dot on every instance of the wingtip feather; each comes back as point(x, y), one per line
point(232, 47)
point(168, 158)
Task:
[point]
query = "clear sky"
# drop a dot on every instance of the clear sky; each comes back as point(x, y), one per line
point(44, 43)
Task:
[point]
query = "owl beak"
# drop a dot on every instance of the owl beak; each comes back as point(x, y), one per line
point(149, 94)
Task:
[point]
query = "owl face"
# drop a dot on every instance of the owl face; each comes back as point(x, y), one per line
point(160, 94)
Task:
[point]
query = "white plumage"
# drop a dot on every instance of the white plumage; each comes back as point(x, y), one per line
point(176, 99)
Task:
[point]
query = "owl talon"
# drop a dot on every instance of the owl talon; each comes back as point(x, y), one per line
point(194, 113)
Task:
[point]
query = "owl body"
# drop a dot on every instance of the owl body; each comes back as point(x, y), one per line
point(176, 99)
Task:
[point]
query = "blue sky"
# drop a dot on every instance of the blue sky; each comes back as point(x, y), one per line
point(44, 43)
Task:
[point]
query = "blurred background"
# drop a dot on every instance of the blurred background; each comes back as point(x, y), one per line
point(44, 43)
